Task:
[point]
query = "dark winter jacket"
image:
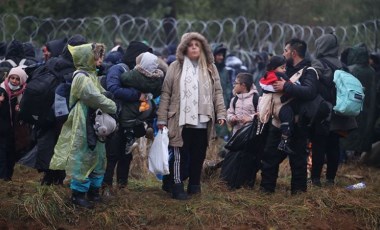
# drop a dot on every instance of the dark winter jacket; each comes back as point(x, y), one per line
point(126, 97)
point(125, 94)
point(327, 50)
point(47, 137)
point(142, 83)
point(307, 90)
point(303, 93)
point(5, 116)
point(361, 139)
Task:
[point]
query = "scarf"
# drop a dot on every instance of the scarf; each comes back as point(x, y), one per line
point(13, 93)
point(195, 95)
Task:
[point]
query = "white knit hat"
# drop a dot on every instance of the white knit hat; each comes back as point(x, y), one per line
point(19, 71)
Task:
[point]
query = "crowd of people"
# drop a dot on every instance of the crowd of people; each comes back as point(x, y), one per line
point(200, 93)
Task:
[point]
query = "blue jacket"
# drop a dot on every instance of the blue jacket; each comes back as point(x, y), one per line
point(124, 94)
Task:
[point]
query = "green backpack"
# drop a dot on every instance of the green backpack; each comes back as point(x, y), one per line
point(349, 94)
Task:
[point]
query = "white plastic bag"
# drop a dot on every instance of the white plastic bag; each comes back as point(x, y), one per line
point(159, 153)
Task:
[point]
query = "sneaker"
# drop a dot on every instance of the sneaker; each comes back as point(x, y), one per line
point(284, 147)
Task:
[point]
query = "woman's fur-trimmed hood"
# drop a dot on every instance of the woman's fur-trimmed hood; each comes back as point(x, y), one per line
point(186, 38)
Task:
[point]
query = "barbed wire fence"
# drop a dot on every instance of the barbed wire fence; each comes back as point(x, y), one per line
point(242, 36)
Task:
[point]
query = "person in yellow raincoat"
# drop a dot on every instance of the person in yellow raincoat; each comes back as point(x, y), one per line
point(85, 166)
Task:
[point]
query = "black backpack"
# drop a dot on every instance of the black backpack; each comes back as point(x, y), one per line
point(36, 106)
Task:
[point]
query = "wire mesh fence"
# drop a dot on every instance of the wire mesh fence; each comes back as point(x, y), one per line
point(242, 36)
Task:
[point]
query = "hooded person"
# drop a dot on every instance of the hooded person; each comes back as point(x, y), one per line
point(191, 102)
point(54, 48)
point(219, 52)
point(85, 165)
point(325, 136)
point(360, 139)
point(47, 136)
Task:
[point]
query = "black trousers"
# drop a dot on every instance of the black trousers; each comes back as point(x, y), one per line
point(272, 159)
point(116, 157)
point(187, 161)
point(7, 159)
point(325, 147)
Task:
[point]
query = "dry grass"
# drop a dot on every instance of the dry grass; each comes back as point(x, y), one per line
point(24, 204)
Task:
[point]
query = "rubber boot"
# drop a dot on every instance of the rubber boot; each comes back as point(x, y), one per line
point(93, 195)
point(79, 198)
point(178, 192)
point(193, 189)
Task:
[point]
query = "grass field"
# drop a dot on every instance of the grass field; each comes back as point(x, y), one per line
point(24, 204)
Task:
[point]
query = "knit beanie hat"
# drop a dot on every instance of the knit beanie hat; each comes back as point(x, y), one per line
point(133, 50)
point(19, 71)
point(275, 62)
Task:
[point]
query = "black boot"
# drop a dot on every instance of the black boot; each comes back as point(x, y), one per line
point(284, 145)
point(178, 192)
point(48, 178)
point(193, 189)
point(59, 177)
point(167, 184)
point(93, 194)
point(79, 198)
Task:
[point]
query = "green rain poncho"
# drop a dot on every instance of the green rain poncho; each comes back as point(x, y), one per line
point(72, 152)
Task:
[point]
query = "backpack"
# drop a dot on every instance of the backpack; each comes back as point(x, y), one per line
point(349, 91)
point(255, 100)
point(349, 94)
point(62, 97)
point(38, 98)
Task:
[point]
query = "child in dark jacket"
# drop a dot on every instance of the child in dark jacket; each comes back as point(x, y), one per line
point(276, 71)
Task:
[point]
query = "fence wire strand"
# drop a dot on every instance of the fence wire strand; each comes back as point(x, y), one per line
point(242, 36)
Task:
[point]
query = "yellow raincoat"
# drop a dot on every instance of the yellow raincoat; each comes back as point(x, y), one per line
point(72, 152)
